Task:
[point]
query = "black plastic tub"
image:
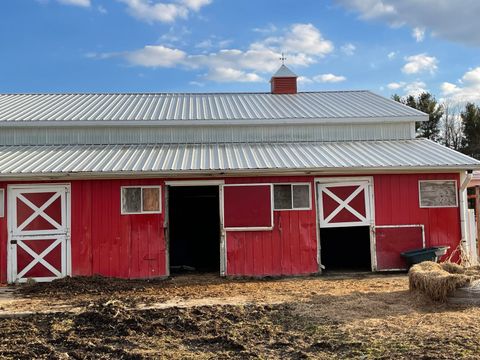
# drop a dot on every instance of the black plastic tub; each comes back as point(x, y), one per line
point(417, 256)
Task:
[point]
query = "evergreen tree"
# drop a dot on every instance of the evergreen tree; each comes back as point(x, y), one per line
point(471, 127)
point(427, 103)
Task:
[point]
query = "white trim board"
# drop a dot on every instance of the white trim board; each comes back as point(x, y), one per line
point(194, 183)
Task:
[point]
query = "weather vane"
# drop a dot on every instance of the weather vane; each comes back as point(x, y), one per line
point(283, 58)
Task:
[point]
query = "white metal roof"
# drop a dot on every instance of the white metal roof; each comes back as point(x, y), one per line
point(224, 158)
point(284, 71)
point(178, 108)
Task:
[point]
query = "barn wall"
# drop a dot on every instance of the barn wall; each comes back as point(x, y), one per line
point(397, 203)
point(108, 243)
point(290, 248)
point(103, 241)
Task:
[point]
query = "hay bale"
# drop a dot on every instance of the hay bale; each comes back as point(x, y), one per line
point(452, 268)
point(434, 280)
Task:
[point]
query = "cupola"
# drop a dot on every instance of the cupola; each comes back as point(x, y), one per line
point(284, 81)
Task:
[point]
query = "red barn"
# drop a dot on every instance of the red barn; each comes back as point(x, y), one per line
point(243, 184)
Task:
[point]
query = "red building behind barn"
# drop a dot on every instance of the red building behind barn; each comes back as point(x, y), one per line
point(243, 184)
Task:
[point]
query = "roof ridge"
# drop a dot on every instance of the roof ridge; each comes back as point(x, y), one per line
point(180, 93)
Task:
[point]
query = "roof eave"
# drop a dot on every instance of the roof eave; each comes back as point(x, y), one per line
point(127, 123)
point(237, 172)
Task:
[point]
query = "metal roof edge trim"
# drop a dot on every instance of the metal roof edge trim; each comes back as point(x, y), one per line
point(243, 172)
point(146, 123)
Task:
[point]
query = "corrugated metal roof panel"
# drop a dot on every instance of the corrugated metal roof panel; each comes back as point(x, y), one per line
point(211, 106)
point(205, 158)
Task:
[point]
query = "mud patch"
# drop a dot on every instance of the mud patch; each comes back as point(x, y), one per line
point(91, 285)
point(111, 330)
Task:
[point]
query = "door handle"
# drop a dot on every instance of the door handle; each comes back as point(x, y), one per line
point(13, 242)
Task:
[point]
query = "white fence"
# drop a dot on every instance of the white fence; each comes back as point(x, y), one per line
point(472, 249)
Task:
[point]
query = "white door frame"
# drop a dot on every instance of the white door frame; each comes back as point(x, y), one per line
point(369, 207)
point(62, 233)
point(223, 238)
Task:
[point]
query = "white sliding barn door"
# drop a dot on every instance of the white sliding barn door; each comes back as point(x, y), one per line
point(39, 232)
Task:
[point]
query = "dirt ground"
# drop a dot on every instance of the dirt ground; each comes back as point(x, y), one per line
point(367, 316)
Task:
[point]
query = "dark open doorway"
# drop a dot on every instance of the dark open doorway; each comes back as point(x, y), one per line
point(194, 229)
point(346, 248)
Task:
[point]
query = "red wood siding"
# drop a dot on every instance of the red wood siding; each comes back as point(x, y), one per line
point(133, 246)
point(238, 210)
point(397, 203)
point(392, 241)
point(284, 85)
point(290, 248)
point(107, 243)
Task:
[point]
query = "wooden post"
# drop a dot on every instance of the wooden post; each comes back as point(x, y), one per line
point(477, 212)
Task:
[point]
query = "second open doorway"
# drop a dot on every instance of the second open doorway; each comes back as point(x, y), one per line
point(194, 229)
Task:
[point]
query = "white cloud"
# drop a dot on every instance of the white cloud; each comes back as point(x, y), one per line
point(451, 20)
point(414, 88)
point(418, 34)
point(370, 9)
point(420, 63)
point(156, 56)
point(212, 42)
point(307, 39)
point(196, 5)
point(396, 85)
point(174, 35)
point(348, 49)
point(197, 83)
point(392, 55)
point(205, 44)
point(329, 78)
point(304, 80)
point(222, 74)
point(270, 28)
point(83, 3)
point(260, 58)
point(468, 88)
point(150, 12)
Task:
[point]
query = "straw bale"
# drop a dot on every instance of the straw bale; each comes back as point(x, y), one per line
point(437, 280)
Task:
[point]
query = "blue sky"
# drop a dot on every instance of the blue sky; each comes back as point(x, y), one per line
point(386, 46)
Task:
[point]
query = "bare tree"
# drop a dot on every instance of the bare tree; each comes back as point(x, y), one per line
point(452, 125)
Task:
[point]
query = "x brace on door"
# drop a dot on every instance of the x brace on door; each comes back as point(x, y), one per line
point(39, 258)
point(344, 204)
point(353, 215)
point(38, 211)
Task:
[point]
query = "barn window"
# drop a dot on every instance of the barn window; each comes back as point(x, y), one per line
point(438, 193)
point(291, 196)
point(141, 199)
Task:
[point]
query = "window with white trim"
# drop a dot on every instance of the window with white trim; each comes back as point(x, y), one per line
point(291, 197)
point(438, 193)
point(141, 199)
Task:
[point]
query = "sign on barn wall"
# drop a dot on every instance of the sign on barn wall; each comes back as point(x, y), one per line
point(438, 193)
